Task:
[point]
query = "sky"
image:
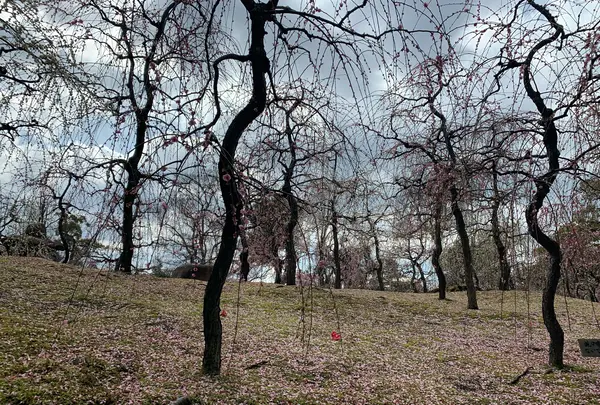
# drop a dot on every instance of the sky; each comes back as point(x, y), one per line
point(355, 77)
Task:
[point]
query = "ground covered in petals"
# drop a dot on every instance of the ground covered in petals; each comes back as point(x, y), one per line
point(78, 336)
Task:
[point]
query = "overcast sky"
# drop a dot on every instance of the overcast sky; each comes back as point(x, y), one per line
point(354, 75)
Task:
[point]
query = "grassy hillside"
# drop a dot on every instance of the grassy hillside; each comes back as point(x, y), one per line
point(72, 336)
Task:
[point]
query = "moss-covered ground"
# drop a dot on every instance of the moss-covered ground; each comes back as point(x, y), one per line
point(80, 336)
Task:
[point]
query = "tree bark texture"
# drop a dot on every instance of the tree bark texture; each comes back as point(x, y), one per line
point(437, 250)
point(461, 229)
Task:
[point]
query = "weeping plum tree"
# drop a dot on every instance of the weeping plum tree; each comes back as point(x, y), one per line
point(576, 50)
point(259, 63)
point(423, 180)
point(149, 62)
point(449, 172)
point(543, 184)
point(437, 128)
point(266, 233)
point(289, 145)
point(343, 48)
point(141, 107)
point(374, 233)
point(192, 225)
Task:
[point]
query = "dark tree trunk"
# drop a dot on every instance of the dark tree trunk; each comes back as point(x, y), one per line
point(417, 269)
point(476, 279)
point(461, 229)
point(244, 264)
point(321, 268)
point(259, 62)
point(437, 250)
point(278, 265)
point(290, 252)
point(244, 254)
point(63, 237)
point(413, 266)
point(557, 336)
point(290, 247)
point(505, 283)
point(124, 264)
point(543, 184)
point(423, 279)
point(62, 207)
point(379, 268)
point(336, 248)
point(413, 277)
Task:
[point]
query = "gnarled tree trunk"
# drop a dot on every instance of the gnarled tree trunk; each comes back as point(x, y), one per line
point(543, 184)
point(437, 250)
point(461, 229)
point(259, 62)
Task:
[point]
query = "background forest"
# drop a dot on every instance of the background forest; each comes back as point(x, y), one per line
point(391, 145)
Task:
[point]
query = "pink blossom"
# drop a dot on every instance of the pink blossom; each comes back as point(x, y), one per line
point(226, 177)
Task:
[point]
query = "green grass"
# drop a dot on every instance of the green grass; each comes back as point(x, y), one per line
point(72, 336)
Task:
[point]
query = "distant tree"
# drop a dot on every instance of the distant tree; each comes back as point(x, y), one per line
point(151, 77)
point(266, 232)
point(505, 280)
point(485, 261)
point(580, 241)
point(191, 225)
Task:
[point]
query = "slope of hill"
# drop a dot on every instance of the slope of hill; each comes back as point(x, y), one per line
point(73, 336)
